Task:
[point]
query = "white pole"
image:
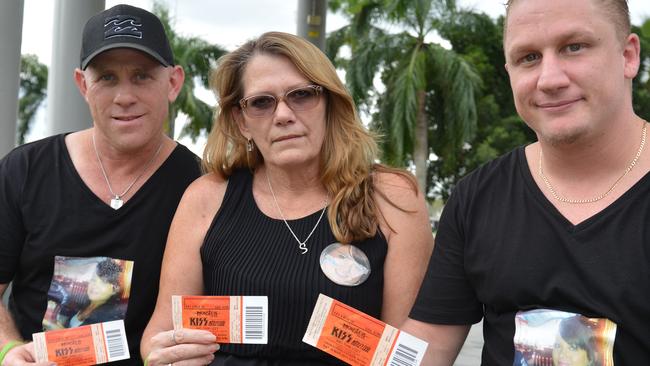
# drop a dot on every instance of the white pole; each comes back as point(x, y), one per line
point(11, 29)
point(67, 111)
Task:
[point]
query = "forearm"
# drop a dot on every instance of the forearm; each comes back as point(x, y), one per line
point(445, 341)
point(8, 330)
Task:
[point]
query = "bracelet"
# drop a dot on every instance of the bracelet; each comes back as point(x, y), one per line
point(7, 347)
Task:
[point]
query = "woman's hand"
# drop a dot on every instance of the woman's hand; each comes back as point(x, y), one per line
point(182, 347)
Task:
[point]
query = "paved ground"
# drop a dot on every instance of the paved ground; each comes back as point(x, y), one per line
point(470, 355)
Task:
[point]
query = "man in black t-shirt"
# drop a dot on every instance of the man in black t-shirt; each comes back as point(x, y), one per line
point(84, 216)
point(557, 229)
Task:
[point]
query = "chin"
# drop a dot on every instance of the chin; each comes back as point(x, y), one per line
point(563, 136)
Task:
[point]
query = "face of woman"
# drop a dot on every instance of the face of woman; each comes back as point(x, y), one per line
point(292, 135)
point(565, 354)
point(100, 290)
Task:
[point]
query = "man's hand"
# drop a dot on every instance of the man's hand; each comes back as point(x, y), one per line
point(23, 355)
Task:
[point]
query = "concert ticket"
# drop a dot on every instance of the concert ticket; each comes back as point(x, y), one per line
point(232, 319)
point(85, 345)
point(359, 339)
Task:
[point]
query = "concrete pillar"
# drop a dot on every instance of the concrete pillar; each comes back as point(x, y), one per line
point(67, 111)
point(311, 21)
point(11, 30)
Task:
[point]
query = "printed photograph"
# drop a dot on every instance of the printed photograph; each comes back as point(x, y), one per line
point(87, 291)
point(557, 338)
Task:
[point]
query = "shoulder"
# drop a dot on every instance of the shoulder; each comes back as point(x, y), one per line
point(204, 195)
point(36, 147)
point(40, 151)
point(397, 186)
point(183, 158)
point(495, 171)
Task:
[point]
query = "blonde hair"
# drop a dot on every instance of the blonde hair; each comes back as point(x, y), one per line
point(349, 151)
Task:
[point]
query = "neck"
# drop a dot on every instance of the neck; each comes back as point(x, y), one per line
point(591, 157)
point(294, 182)
point(297, 195)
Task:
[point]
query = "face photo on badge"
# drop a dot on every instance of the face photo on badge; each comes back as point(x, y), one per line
point(87, 291)
point(558, 338)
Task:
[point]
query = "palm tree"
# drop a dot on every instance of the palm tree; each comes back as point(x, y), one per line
point(429, 90)
point(33, 89)
point(197, 57)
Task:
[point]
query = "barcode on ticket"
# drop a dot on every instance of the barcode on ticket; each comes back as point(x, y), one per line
point(359, 339)
point(116, 344)
point(232, 319)
point(81, 346)
point(408, 351)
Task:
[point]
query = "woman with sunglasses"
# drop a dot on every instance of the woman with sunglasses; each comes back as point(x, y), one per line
point(294, 204)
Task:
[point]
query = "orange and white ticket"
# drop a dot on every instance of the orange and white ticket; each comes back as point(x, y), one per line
point(358, 338)
point(232, 319)
point(84, 345)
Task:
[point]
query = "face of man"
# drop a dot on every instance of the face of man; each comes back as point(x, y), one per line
point(570, 71)
point(128, 94)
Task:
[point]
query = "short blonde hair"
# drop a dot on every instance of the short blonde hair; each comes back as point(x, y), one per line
point(617, 10)
point(349, 151)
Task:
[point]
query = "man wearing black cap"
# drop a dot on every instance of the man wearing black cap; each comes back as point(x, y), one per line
point(106, 192)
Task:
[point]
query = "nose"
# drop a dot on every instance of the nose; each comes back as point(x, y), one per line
point(283, 113)
point(125, 95)
point(552, 75)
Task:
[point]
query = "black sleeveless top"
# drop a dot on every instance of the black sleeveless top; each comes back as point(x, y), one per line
point(246, 252)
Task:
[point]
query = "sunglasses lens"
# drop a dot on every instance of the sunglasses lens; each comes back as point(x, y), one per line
point(264, 105)
point(260, 105)
point(303, 98)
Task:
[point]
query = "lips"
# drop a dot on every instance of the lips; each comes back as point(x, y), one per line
point(286, 137)
point(127, 118)
point(558, 104)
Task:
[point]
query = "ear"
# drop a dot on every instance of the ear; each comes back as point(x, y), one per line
point(176, 79)
point(80, 81)
point(238, 116)
point(631, 55)
point(507, 67)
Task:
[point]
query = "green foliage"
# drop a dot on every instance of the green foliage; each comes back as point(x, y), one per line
point(197, 57)
point(32, 92)
point(478, 39)
point(428, 103)
point(641, 84)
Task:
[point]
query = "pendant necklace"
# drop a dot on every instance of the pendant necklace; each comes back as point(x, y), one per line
point(302, 245)
point(116, 200)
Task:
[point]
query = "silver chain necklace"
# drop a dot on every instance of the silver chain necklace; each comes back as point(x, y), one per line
point(602, 195)
point(116, 200)
point(302, 245)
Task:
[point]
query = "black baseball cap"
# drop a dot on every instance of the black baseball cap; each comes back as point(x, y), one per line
point(125, 26)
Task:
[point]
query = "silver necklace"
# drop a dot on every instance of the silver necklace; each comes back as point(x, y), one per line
point(302, 245)
point(116, 200)
point(602, 195)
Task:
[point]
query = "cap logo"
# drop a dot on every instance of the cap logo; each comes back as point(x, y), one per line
point(122, 26)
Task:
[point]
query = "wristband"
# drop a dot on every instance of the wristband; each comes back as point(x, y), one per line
point(7, 347)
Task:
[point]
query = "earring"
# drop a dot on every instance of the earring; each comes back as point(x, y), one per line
point(249, 145)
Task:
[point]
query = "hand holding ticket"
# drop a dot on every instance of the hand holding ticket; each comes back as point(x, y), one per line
point(81, 346)
point(232, 319)
point(358, 338)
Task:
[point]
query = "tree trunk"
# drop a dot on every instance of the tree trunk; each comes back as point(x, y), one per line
point(421, 147)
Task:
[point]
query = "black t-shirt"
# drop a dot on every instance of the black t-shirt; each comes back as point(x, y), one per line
point(502, 247)
point(46, 210)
